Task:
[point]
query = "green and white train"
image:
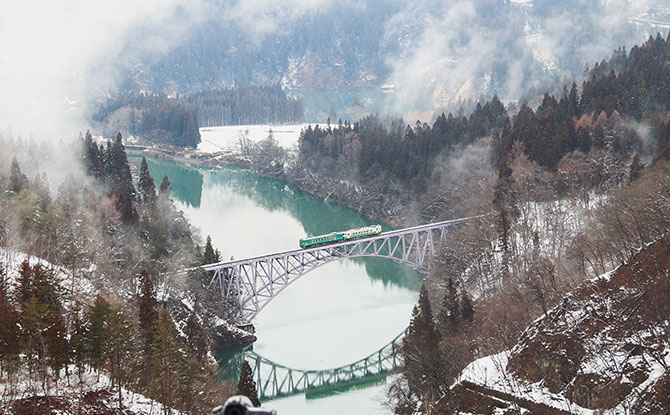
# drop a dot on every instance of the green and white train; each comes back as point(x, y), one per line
point(340, 236)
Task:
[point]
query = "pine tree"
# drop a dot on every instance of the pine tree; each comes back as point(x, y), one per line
point(148, 319)
point(78, 343)
point(25, 283)
point(211, 255)
point(196, 338)
point(41, 189)
point(424, 305)
point(93, 157)
point(46, 287)
point(145, 184)
point(9, 327)
point(165, 361)
point(247, 385)
point(17, 180)
point(33, 326)
point(164, 189)
point(98, 333)
point(122, 191)
point(56, 342)
point(467, 310)
point(120, 347)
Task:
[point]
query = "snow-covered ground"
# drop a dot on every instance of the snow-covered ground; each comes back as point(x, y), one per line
point(491, 372)
point(227, 138)
point(21, 386)
point(83, 288)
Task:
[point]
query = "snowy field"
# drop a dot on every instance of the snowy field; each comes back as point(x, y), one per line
point(227, 138)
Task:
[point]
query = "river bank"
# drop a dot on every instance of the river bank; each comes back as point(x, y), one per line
point(332, 316)
point(375, 203)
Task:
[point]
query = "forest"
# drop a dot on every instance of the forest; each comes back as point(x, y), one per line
point(159, 119)
point(566, 190)
point(153, 118)
point(98, 294)
point(245, 105)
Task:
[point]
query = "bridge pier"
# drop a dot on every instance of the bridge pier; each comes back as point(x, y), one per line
point(248, 327)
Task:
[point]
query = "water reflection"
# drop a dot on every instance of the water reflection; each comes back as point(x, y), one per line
point(274, 380)
point(334, 316)
point(185, 181)
point(315, 215)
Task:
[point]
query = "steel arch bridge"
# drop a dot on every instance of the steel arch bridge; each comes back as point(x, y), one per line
point(276, 381)
point(252, 283)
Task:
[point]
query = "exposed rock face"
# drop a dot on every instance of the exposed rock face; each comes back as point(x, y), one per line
point(605, 348)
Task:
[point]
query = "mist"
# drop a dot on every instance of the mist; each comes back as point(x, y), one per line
point(474, 49)
point(58, 57)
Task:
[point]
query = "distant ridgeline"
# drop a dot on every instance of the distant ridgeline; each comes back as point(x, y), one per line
point(245, 105)
point(157, 118)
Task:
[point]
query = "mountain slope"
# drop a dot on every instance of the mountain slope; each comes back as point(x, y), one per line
point(606, 347)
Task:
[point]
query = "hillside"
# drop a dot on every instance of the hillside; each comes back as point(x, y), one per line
point(605, 347)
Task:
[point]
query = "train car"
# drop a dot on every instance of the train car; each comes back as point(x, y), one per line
point(340, 236)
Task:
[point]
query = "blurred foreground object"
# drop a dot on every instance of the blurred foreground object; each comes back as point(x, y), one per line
point(240, 405)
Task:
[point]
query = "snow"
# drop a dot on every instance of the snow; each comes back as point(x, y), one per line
point(491, 372)
point(226, 138)
point(12, 260)
point(23, 387)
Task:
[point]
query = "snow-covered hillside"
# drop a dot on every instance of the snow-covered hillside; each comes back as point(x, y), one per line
point(603, 350)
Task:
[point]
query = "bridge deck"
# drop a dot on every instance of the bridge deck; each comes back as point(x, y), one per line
point(383, 235)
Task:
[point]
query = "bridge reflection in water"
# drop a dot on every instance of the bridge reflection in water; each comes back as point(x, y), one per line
point(277, 381)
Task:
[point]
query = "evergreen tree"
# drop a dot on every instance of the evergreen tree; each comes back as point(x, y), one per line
point(424, 305)
point(121, 348)
point(122, 191)
point(450, 313)
point(25, 283)
point(93, 157)
point(145, 184)
point(98, 334)
point(196, 338)
point(78, 343)
point(504, 205)
point(165, 361)
point(9, 327)
point(164, 189)
point(56, 343)
point(211, 255)
point(247, 385)
point(17, 180)
point(46, 287)
point(467, 310)
point(41, 190)
point(148, 319)
point(636, 168)
point(33, 326)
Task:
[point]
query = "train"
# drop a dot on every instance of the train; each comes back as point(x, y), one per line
point(340, 236)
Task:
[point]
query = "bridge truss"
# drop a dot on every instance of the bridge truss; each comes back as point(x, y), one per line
point(275, 381)
point(252, 283)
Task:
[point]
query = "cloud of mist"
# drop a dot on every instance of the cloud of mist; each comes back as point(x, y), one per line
point(56, 56)
point(471, 49)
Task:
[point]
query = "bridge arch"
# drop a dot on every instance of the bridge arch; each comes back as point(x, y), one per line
point(274, 380)
point(252, 283)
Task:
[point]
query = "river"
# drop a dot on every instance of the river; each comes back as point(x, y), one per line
point(332, 316)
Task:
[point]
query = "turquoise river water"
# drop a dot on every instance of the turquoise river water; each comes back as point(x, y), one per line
point(332, 316)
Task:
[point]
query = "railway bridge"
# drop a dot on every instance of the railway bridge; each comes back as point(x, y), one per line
point(253, 282)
